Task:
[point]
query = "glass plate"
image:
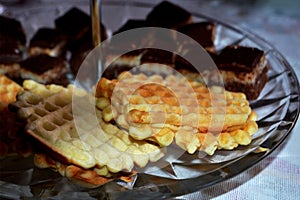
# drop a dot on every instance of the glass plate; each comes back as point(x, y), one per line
point(277, 107)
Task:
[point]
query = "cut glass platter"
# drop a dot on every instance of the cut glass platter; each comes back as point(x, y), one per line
point(277, 106)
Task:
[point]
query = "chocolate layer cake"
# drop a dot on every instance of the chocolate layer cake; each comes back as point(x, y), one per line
point(244, 69)
point(13, 29)
point(201, 32)
point(74, 24)
point(168, 15)
point(47, 41)
point(43, 69)
point(12, 42)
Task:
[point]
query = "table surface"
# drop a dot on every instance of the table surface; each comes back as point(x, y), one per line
point(278, 176)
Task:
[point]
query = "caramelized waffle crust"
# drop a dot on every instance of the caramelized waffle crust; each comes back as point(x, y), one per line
point(8, 90)
point(89, 178)
point(92, 142)
point(158, 109)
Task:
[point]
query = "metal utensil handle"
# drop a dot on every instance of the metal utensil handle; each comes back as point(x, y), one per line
point(96, 19)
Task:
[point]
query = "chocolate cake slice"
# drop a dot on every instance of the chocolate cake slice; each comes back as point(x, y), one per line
point(13, 30)
point(244, 69)
point(47, 41)
point(43, 69)
point(201, 32)
point(168, 15)
point(74, 24)
point(12, 44)
point(10, 55)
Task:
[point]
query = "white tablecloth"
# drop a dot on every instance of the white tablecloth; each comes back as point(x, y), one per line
point(277, 176)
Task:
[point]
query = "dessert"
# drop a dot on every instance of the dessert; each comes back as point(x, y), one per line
point(201, 32)
point(157, 108)
point(47, 41)
point(243, 69)
point(8, 90)
point(89, 178)
point(168, 15)
point(43, 69)
point(74, 24)
point(91, 145)
point(12, 42)
point(137, 115)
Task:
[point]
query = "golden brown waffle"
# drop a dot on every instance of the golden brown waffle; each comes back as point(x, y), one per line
point(161, 109)
point(8, 90)
point(87, 178)
point(49, 114)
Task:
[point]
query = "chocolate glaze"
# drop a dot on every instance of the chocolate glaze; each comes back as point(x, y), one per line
point(73, 23)
point(11, 29)
point(47, 38)
point(239, 58)
point(202, 32)
point(12, 40)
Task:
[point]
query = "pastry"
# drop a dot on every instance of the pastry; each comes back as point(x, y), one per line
point(92, 143)
point(43, 69)
point(47, 41)
point(243, 69)
point(201, 32)
point(168, 15)
point(12, 43)
point(157, 108)
point(74, 24)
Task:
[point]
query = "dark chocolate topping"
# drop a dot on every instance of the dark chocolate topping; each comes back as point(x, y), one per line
point(202, 32)
point(47, 38)
point(41, 63)
point(74, 22)
point(239, 58)
point(11, 29)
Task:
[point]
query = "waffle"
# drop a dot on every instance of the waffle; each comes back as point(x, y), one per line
point(159, 109)
point(49, 115)
point(87, 178)
point(8, 90)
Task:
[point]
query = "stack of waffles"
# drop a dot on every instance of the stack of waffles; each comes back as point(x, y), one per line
point(92, 152)
point(168, 109)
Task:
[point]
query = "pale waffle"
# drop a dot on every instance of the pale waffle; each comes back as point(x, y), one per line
point(49, 114)
point(160, 109)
